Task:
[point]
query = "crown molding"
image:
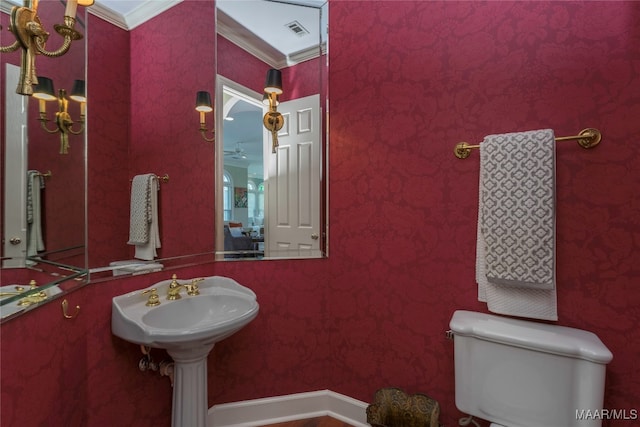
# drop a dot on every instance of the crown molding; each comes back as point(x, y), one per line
point(138, 16)
point(229, 28)
point(108, 15)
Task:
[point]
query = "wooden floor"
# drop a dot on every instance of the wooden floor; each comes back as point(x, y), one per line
point(313, 422)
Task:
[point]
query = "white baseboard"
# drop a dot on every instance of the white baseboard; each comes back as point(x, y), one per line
point(280, 409)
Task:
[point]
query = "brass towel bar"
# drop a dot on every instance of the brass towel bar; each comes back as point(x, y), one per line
point(46, 175)
point(164, 178)
point(588, 138)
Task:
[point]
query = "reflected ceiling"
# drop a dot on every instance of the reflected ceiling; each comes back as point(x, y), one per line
point(289, 30)
point(272, 20)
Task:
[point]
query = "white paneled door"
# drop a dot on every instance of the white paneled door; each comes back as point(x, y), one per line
point(293, 182)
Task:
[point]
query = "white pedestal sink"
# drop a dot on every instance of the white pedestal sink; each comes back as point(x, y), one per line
point(187, 328)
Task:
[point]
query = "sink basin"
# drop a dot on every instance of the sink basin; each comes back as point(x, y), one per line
point(222, 308)
point(187, 328)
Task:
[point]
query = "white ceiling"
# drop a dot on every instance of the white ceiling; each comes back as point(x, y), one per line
point(128, 14)
point(269, 20)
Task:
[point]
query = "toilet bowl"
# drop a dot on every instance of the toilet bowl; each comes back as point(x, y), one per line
point(514, 372)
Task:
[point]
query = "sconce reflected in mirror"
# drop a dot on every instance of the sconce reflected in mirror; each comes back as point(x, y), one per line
point(273, 120)
point(204, 106)
point(266, 100)
point(44, 92)
point(26, 26)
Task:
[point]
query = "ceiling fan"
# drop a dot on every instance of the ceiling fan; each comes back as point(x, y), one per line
point(238, 153)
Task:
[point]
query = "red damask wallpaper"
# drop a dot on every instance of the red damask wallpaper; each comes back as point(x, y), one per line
point(63, 195)
point(408, 80)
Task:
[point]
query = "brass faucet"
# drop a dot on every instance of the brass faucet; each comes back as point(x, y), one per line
point(33, 299)
point(174, 288)
point(30, 299)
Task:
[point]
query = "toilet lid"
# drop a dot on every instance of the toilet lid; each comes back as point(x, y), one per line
point(495, 425)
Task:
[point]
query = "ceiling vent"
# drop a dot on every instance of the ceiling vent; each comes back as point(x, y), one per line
point(297, 29)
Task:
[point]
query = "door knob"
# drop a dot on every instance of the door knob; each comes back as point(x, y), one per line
point(15, 240)
point(314, 236)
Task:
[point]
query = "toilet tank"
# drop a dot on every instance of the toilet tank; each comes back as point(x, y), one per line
point(524, 374)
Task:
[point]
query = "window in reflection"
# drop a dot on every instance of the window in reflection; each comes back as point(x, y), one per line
point(227, 191)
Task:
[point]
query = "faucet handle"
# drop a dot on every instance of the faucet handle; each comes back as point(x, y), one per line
point(154, 299)
point(192, 288)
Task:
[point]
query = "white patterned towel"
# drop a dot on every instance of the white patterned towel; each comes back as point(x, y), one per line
point(515, 268)
point(144, 231)
point(35, 231)
point(140, 218)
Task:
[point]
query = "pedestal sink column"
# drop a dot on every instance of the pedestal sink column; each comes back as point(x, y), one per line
point(190, 403)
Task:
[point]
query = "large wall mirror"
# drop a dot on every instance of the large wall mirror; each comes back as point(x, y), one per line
point(271, 204)
point(192, 209)
point(164, 69)
point(43, 189)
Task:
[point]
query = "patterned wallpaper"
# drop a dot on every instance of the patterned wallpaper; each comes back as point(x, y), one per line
point(403, 208)
point(408, 80)
point(164, 123)
point(63, 196)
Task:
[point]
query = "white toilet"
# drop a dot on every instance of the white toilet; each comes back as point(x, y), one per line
point(517, 373)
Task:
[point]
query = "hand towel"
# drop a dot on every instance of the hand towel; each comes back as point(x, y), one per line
point(140, 217)
point(35, 240)
point(144, 231)
point(515, 256)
